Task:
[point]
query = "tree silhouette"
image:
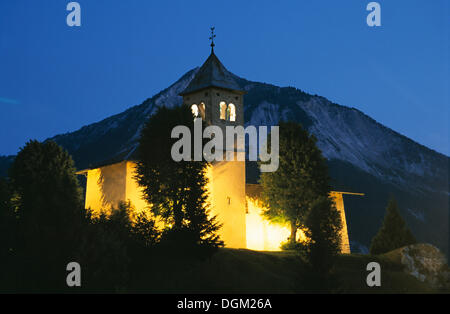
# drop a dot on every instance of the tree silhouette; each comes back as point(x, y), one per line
point(176, 190)
point(7, 236)
point(301, 178)
point(393, 234)
point(49, 210)
point(323, 224)
point(114, 248)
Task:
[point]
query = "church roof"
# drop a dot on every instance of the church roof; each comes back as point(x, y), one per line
point(212, 74)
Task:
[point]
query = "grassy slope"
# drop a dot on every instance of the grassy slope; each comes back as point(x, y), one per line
point(246, 271)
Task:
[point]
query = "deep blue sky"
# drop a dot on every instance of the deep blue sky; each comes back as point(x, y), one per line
point(55, 79)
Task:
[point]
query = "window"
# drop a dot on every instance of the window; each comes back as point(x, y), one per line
point(227, 113)
point(201, 110)
point(223, 110)
point(232, 112)
point(194, 109)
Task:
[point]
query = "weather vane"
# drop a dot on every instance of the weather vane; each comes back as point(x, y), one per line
point(212, 38)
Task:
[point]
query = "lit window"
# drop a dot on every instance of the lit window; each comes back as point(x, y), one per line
point(194, 109)
point(232, 112)
point(201, 109)
point(223, 110)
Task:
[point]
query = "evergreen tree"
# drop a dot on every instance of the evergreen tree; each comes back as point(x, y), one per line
point(323, 230)
point(176, 190)
point(393, 234)
point(6, 216)
point(301, 178)
point(104, 257)
point(115, 247)
point(49, 212)
point(7, 236)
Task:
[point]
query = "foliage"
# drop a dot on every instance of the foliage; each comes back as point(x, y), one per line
point(176, 190)
point(301, 178)
point(7, 234)
point(103, 256)
point(48, 207)
point(136, 229)
point(323, 230)
point(393, 234)
point(46, 227)
point(7, 218)
point(110, 245)
point(300, 246)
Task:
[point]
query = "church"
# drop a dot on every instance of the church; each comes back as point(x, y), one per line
point(216, 98)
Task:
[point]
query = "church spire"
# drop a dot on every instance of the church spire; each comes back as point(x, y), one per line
point(212, 74)
point(212, 39)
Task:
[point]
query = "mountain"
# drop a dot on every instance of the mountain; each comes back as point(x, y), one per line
point(363, 155)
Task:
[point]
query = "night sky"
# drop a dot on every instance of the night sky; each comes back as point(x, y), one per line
point(55, 78)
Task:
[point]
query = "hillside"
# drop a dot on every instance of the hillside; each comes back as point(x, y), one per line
point(246, 271)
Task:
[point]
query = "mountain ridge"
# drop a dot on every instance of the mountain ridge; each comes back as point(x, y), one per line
point(362, 153)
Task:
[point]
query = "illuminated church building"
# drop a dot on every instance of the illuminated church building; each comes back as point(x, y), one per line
point(214, 96)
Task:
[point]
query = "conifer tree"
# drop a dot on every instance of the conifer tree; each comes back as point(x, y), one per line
point(49, 210)
point(301, 178)
point(6, 214)
point(176, 190)
point(323, 230)
point(7, 232)
point(393, 234)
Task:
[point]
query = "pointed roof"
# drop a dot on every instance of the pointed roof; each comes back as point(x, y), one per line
point(212, 74)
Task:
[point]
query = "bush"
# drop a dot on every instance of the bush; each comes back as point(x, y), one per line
point(49, 214)
point(323, 229)
point(114, 247)
point(393, 234)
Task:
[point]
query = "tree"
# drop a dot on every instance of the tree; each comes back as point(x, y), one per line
point(7, 236)
point(116, 248)
point(301, 178)
point(176, 190)
point(393, 234)
point(49, 210)
point(6, 216)
point(323, 224)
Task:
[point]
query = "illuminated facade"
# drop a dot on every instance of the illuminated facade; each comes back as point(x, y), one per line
point(214, 96)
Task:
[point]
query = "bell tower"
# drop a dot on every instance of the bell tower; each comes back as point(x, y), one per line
point(214, 96)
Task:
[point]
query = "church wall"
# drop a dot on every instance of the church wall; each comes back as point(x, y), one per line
point(339, 203)
point(108, 185)
point(227, 197)
point(261, 234)
point(105, 187)
point(264, 235)
point(93, 199)
point(133, 190)
point(226, 188)
point(243, 225)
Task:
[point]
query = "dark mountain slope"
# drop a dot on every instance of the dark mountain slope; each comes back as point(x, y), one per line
point(363, 155)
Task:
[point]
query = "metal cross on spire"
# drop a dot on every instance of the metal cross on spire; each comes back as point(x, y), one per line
point(212, 38)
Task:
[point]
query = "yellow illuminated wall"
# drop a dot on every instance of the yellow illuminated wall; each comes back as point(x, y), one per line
point(339, 203)
point(235, 203)
point(226, 189)
point(106, 187)
point(133, 191)
point(266, 236)
point(262, 235)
